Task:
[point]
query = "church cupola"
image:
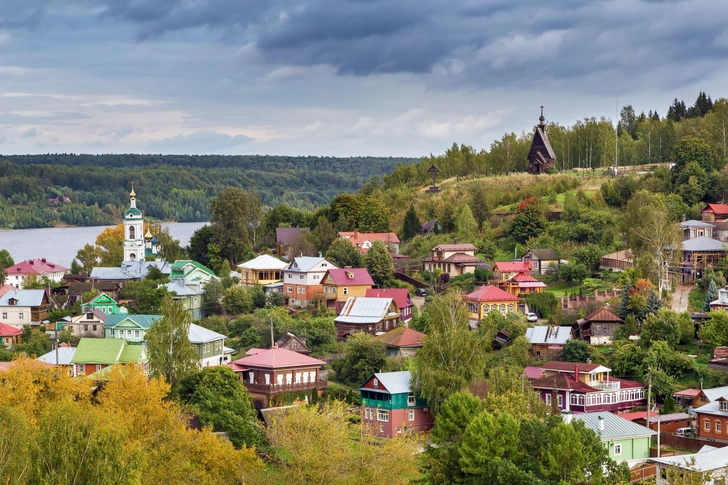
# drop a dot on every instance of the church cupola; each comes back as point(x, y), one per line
point(133, 230)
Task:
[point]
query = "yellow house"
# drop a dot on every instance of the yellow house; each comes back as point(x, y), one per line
point(340, 284)
point(488, 299)
point(262, 270)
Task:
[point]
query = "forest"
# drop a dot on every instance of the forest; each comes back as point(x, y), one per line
point(88, 190)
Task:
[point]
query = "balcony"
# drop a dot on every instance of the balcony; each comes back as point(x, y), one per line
point(324, 296)
point(605, 385)
point(279, 388)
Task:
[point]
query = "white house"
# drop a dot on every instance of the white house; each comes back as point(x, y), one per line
point(19, 307)
point(40, 268)
point(303, 278)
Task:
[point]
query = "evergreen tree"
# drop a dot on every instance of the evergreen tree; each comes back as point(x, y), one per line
point(411, 225)
point(479, 204)
point(710, 295)
point(380, 265)
point(654, 303)
point(466, 225)
point(623, 309)
point(322, 235)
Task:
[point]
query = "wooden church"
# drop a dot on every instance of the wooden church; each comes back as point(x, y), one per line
point(541, 157)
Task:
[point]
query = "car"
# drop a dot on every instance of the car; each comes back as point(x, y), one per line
point(531, 317)
point(685, 432)
point(420, 292)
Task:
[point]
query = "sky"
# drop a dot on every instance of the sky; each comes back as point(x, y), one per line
point(339, 77)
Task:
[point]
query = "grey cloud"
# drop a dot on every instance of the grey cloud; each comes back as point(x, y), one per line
point(197, 143)
point(31, 133)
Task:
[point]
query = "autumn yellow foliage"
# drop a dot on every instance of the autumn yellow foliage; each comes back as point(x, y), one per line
point(59, 429)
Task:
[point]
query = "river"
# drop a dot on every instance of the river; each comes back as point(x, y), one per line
point(60, 244)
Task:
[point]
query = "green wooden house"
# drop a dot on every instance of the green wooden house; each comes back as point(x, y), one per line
point(132, 328)
point(210, 346)
point(191, 271)
point(94, 354)
point(104, 303)
point(623, 439)
point(190, 295)
point(389, 405)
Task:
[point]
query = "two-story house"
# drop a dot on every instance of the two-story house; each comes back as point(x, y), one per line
point(364, 240)
point(702, 397)
point(543, 261)
point(210, 346)
point(402, 342)
point(191, 271)
point(303, 279)
point(270, 372)
point(190, 294)
point(103, 303)
point(505, 270)
point(452, 259)
point(340, 284)
point(598, 327)
point(515, 278)
point(89, 324)
point(262, 270)
point(715, 213)
point(94, 354)
point(39, 268)
point(624, 440)
point(9, 335)
point(24, 307)
point(486, 299)
point(692, 229)
point(401, 297)
point(593, 391)
point(547, 341)
point(370, 315)
point(389, 406)
point(132, 328)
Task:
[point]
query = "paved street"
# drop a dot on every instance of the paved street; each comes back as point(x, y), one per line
point(680, 298)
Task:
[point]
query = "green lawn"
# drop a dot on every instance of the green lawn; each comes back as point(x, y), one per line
point(696, 300)
point(563, 289)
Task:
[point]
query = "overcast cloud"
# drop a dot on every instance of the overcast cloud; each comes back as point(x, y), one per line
point(338, 77)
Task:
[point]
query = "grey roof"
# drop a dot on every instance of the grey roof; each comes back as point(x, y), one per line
point(552, 335)
point(144, 321)
point(65, 354)
point(694, 223)
point(712, 408)
point(304, 263)
point(429, 224)
point(702, 461)
point(615, 427)
point(715, 392)
point(545, 254)
point(129, 270)
point(181, 289)
point(546, 142)
point(24, 297)
point(703, 243)
point(263, 261)
point(202, 335)
point(394, 382)
point(668, 417)
point(360, 309)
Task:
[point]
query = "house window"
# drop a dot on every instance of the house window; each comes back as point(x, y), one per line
point(20, 315)
point(560, 400)
point(502, 308)
point(411, 399)
point(399, 429)
point(411, 415)
point(85, 328)
point(718, 427)
point(724, 405)
point(112, 332)
point(382, 415)
point(510, 308)
point(128, 333)
point(251, 377)
point(136, 333)
point(617, 449)
point(300, 277)
point(346, 291)
point(706, 425)
point(5, 315)
point(290, 289)
point(290, 276)
point(548, 399)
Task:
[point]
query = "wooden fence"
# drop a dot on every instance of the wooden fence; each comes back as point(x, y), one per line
point(669, 439)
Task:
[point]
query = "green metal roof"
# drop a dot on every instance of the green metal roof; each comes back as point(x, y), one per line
point(181, 269)
point(132, 211)
point(132, 353)
point(98, 351)
point(142, 321)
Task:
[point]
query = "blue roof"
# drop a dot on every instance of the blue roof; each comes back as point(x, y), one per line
point(129, 270)
point(24, 297)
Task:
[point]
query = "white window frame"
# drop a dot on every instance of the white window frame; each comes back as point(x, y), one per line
point(560, 400)
point(617, 449)
point(411, 415)
point(706, 425)
point(382, 415)
point(411, 399)
point(548, 399)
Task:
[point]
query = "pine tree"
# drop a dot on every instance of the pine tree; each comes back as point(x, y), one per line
point(623, 309)
point(654, 303)
point(411, 225)
point(379, 264)
point(710, 295)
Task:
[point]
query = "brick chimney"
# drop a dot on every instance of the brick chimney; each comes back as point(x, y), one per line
point(576, 371)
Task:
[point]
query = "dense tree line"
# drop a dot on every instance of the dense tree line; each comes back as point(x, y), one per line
point(175, 188)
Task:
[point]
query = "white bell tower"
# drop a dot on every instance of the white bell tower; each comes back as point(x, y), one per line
point(133, 231)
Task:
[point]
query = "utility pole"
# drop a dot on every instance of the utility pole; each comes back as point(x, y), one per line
point(272, 340)
point(649, 400)
point(658, 436)
point(616, 137)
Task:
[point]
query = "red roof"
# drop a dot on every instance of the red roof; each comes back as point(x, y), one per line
point(716, 208)
point(634, 416)
point(35, 266)
point(399, 295)
point(254, 350)
point(569, 366)
point(357, 237)
point(490, 293)
point(8, 331)
point(350, 276)
point(688, 393)
point(562, 381)
point(512, 266)
point(5, 288)
point(523, 277)
point(531, 372)
point(402, 337)
point(277, 358)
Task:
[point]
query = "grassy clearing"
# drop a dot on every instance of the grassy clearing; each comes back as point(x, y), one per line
point(563, 289)
point(696, 300)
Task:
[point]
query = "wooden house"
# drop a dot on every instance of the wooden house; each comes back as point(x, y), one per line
point(293, 342)
point(452, 259)
point(400, 296)
point(340, 284)
point(9, 335)
point(389, 406)
point(623, 440)
point(542, 260)
point(429, 227)
point(262, 270)
point(488, 299)
point(89, 324)
point(547, 342)
point(402, 342)
point(693, 229)
point(541, 156)
point(714, 213)
point(697, 254)
point(521, 284)
point(593, 391)
point(506, 270)
point(271, 372)
point(24, 307)
point(94, 354)
point(598, 327)
point(370, 315)
point(667, 422)
point(303, 280)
